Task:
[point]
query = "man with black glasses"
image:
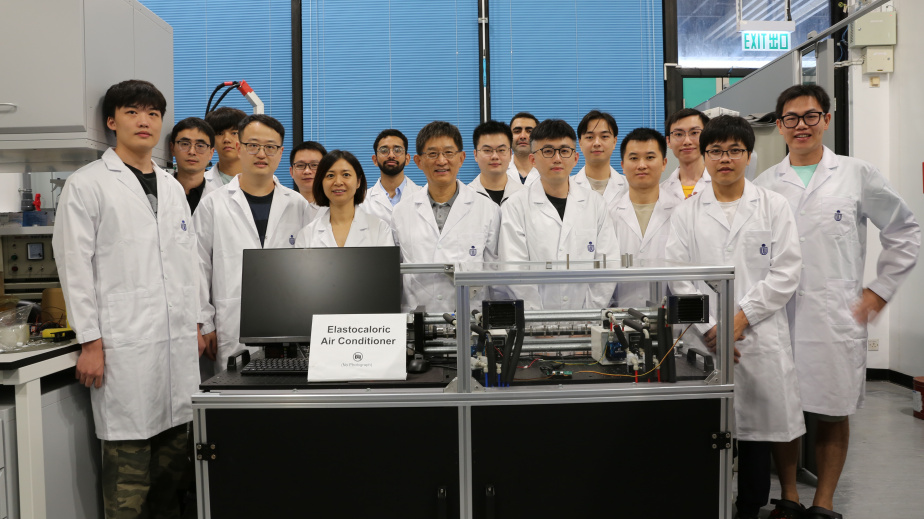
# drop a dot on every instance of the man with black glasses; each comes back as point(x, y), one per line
point(833, 197)
point(391, 155)
point(690, 178)
point(493, 142)
point(303, 164)
point(253, 211)
point(191, 144)
point(554, 220)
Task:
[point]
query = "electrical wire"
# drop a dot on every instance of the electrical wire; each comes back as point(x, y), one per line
point(657, 366)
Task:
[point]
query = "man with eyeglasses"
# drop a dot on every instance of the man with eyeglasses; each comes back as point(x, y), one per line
point(224, 122)
point(557, 220)
point(391, 155)
point(493, 141)
point(520, 168)
point(690, 178)
point(597, 135)
point(444, 222)
point(253, 211)
point(833, 197)
point(740, 224)
point(303, 164)
point(191, 143)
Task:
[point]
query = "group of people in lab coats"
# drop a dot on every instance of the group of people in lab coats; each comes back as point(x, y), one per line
point(147, 271)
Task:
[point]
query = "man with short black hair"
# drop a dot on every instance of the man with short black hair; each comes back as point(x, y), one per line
point(737, 223)
point(554, 220)
point(520, 168)
point(833, 197)
point(493, 141)
point(224, 122)
point(690, 178)
point(191, 144)
point(126, 255)
point(641, 216)
point(253, 211)
point(303, 164)
point(391, 154)
point(444, 222)
point(597, 134)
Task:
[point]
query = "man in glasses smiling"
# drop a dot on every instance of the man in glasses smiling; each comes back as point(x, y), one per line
point(191, 144)
point(556, 219)
point(253, 211)
point(391, 155)
point(833, 197)
point(303, 164)
point(493, 143)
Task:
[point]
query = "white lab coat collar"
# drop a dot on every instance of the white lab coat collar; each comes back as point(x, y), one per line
point(281, 198)
point(625, 211)
point(746, 206)
point(823, 172)
point(513, 185)
point(674, 186)
point(324, 233)
point(576, 203)
point(615, 187)
point(466, 197)
point(114, 163)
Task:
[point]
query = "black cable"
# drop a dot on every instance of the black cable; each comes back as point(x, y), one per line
point(208, 106)
point(229, 89)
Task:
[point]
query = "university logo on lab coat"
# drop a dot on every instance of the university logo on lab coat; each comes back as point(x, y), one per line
point(473, 251)
point(838, 215)
point(763, 249)
point(590, 246)
point(291, 239)
point(183, 225)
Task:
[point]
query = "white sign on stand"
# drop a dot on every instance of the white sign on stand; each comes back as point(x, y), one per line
point(358, 347)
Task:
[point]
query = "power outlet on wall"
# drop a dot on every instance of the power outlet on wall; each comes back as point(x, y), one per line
point(872, 344)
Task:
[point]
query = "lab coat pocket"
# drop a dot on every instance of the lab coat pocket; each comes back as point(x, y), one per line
point(841, 294)
point(183, 234)
point(130, 318)
point(838, 215)
point(757, 249)
point(586, 245)
point(473, 243)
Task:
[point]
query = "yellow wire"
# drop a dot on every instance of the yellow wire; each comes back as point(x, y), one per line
point(652, 369)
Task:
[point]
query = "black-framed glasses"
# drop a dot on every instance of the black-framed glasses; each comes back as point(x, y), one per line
point(184, 146)
point(449, 154)
point(810, 119)
point(549, 152)
point(500, 150)
point(301, 166)
point(397, 150)
point(734, 153)
point(254, 148)
point(680, 134)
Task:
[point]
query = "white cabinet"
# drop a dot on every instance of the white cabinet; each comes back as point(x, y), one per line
point(58, 58)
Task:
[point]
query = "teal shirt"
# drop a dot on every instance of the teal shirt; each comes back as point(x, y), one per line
point(805, 173)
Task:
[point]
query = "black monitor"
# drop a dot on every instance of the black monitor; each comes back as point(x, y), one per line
point(282, 289)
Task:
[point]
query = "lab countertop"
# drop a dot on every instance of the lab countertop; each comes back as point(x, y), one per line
point(36, 353)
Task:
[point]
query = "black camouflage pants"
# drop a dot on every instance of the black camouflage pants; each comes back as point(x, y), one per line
point(145, 479)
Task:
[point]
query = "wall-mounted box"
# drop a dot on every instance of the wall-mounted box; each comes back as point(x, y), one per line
point(878, 58)
point(873, 29)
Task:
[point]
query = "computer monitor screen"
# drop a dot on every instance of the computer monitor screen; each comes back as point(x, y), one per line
point(281, 289)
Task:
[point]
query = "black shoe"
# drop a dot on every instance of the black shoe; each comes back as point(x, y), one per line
point(786, 509)
point(817, 512)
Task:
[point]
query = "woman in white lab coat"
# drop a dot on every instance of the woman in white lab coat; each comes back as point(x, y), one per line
point(339, 187)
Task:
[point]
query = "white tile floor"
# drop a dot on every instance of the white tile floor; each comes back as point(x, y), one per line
point(884, 474)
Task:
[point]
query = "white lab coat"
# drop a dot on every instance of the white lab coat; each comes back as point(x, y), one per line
point(614, 188)
point(514, 173)
point(212, 176)
point(673, 187)
point(377, 203)
point(648, 247)
point(513, 185)
point(829, 345)
point(763, 246)
point(225, 227)
point(531, 230)
point(365, 231)
point(469, 236)
point(130, 278)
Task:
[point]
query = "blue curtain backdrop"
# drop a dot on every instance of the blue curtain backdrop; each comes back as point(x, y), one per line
point(376, 64)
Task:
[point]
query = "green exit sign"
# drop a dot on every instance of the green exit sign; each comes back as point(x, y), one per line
point(766, 40)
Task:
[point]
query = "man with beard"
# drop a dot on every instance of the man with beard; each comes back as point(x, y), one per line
point(520, 168)
point(390, 155)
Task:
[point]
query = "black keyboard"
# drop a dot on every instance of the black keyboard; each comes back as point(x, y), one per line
point(276, 367)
